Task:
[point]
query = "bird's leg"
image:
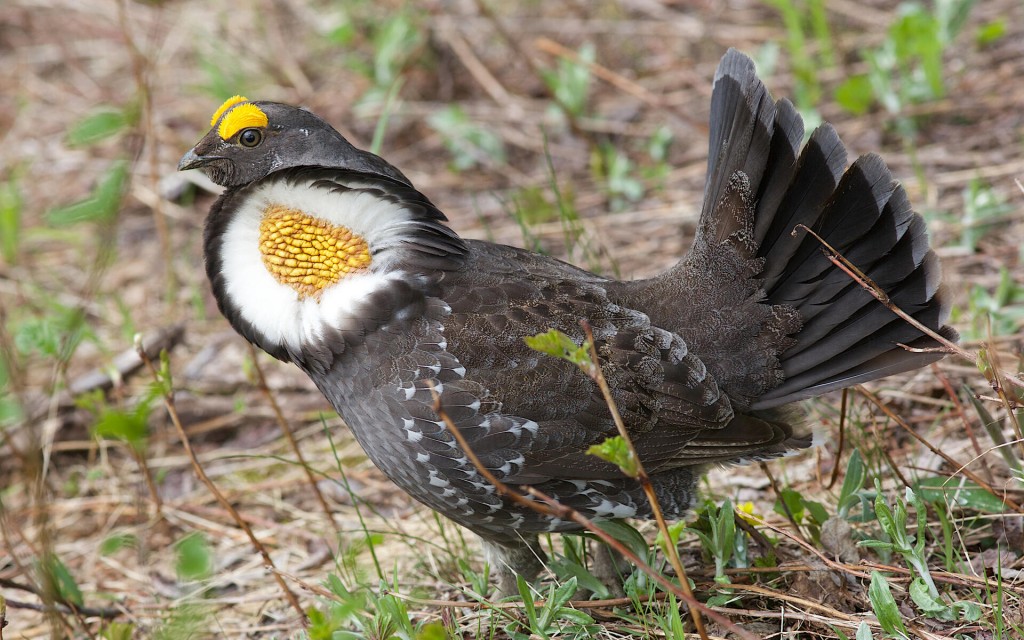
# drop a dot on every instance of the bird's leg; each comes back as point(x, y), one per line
point(609, 567)
point(522, 556)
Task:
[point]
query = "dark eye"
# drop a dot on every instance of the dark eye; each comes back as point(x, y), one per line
point(250, 137)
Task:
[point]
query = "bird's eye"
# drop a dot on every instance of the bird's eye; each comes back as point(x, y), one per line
point(250, 137)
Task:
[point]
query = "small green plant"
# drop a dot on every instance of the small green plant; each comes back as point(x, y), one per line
point(990, 32)
point(394, 41)
point(994, 313)
point(983, 208)
point(809, 514)
point(193, 557)
point(364, 614)
point(552, 618)
point(613, 169)
point(906, 69)
point(806, 20)
point(105, 122)
point(469, 144)
point(569, 82)
point(130, 426)
point(11, 213)
point(572, 564)
point(58, 582)
point(851, 494)
point(718, 536)
point(118, 631)
point(910, 545)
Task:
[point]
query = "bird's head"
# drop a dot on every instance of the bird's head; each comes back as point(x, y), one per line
point(250, 140)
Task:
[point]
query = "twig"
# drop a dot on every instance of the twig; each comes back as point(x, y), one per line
point(618, 81)
point(993, 371)
point(60, 607)
point(641, 476)
point(879, 294)
point(286, 428)
point(141, 66)
point(172, 411)
point(842, 439)
point(782, 500)
point(551, 507)
point(958, 408)
point(949, 459)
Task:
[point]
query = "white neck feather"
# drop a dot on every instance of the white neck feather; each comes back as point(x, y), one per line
point(277, 310)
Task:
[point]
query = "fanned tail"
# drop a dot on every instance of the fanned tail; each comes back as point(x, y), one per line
point(778, 322)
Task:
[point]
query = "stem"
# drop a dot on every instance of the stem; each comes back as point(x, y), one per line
point(551, 507)
point(172, 411)
point(641, 475)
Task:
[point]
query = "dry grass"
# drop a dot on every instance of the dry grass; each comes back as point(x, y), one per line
point(62, 491)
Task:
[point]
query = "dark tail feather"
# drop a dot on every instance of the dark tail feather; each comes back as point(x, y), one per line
point(847, 337)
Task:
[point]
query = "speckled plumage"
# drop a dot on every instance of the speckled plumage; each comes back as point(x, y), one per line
point(704, 360)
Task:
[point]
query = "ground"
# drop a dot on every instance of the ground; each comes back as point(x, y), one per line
point(577, 128)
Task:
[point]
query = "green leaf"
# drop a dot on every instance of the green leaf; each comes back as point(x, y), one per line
point(557, 344)
point(564, 592)
point(925, 601)
point(56, 334)
point(101, 206)
point(467, 143)
point(864, 632)
point(194, 559)
point(118, 631)
point(102, 124)
point(627, 535)
point(990, 32)
point(130, 427)
point(885, 608)
point(528, 605)
point(564, 569)
point(432, 631)
point(853, 482)
point(969, 611)
point(570, 81)
point(855, 94)
point(11, 205)
point(57, 577)
point(794, 501)
point(116, 542)
point(960, 492)
point(617, 451)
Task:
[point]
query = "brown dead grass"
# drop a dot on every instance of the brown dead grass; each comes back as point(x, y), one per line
point(61, 59)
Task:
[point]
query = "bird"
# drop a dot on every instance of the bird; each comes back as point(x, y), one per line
point(326, 256)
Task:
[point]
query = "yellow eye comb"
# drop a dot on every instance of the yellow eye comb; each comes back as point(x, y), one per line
point(230, 102)
point(241, 117)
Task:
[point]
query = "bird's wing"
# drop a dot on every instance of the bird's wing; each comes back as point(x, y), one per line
point(547, 410)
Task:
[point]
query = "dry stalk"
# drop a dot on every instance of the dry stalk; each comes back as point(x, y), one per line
point(286, 428)
point(205, 479)
point(958, 407)
point(949, 459)
point(141, 67)
point(842, 438)
point(778, 494)
point(879, 294)
point(997, 374)
point(641, 475)
point(988, 357)
point(618, 81)
point(551, 507)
